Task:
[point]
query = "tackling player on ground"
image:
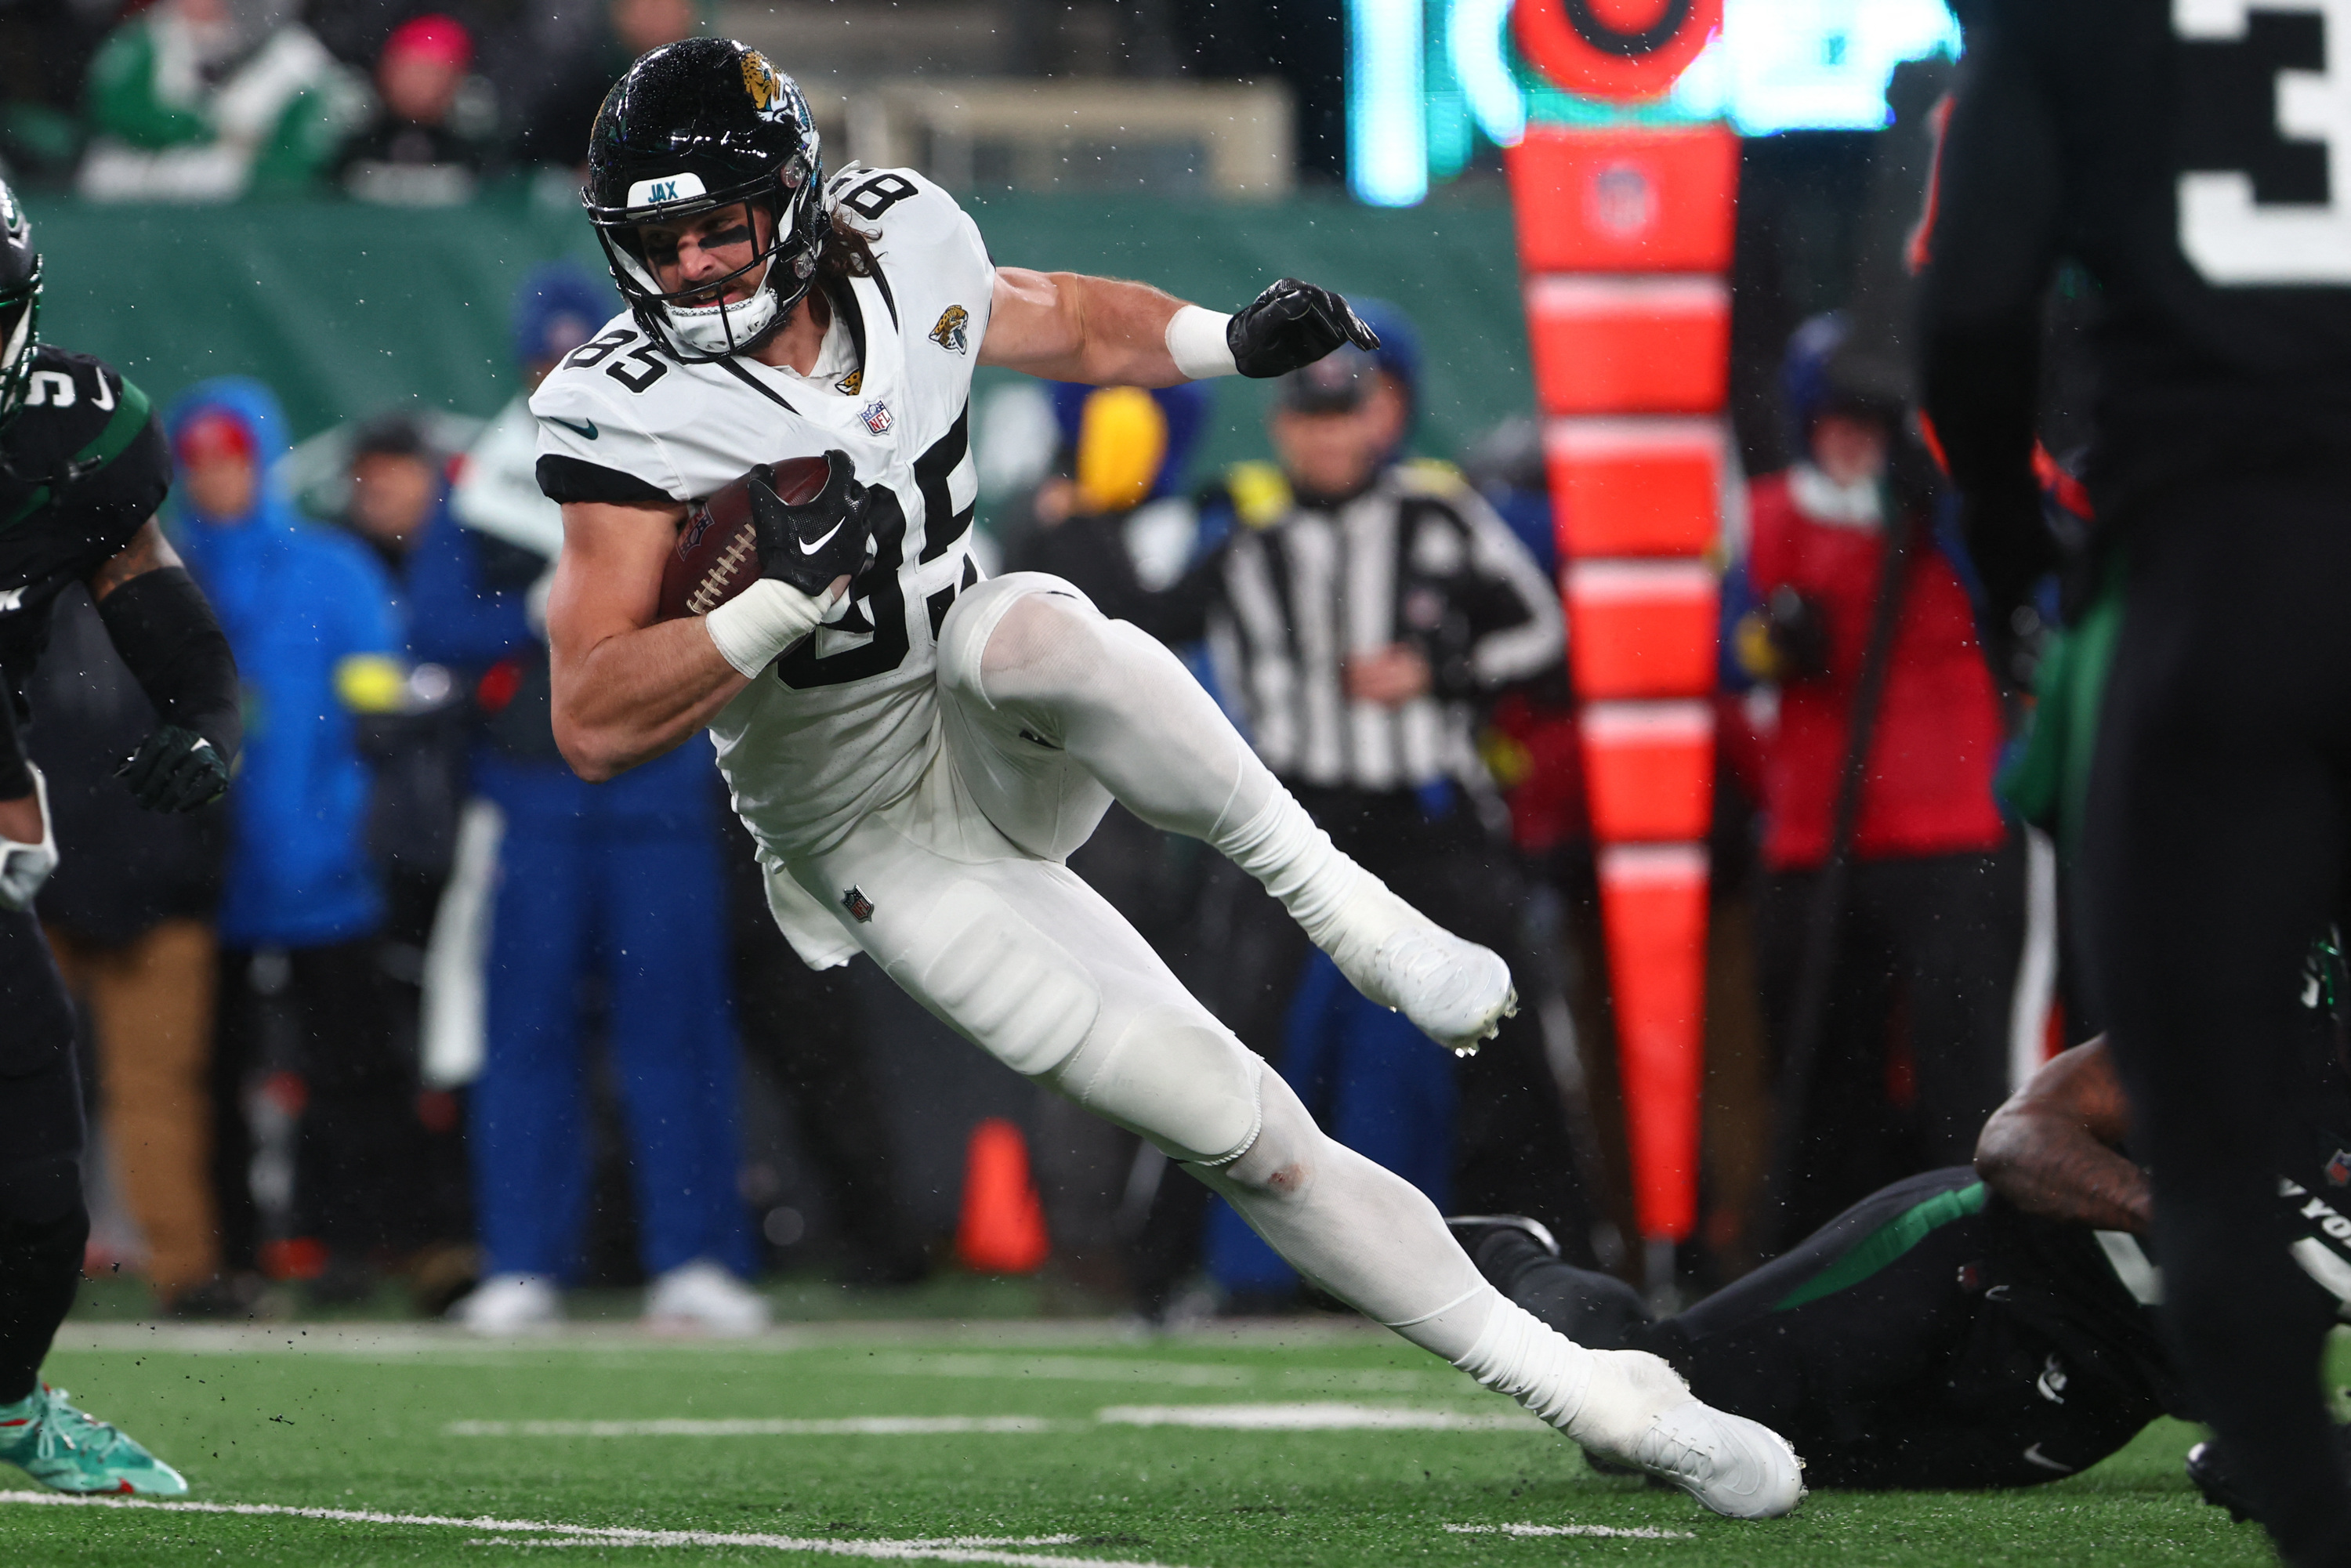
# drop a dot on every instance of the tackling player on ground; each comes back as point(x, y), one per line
point(82, 470)
point(917, 750)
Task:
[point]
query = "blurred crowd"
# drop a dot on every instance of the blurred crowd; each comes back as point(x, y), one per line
point(416, 1008)
point(393, 102)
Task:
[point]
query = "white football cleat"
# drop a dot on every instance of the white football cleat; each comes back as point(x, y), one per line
point(1456, 992)
point(511, 1304)
point(1639, 1413)
point(701, 1297)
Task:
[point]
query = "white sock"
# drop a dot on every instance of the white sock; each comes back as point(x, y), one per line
point(1282, 847)
point(1536, 1365)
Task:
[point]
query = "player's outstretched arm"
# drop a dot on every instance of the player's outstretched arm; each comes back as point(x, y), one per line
point(1069, 327)
point(165, 629)
point(2053, 1148)
point(626, 688)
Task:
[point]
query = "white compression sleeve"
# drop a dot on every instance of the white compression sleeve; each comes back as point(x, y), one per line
point(1128, 709)
point(1196, 341)
point(763, 621)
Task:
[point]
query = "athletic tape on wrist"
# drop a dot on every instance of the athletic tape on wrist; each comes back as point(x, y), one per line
point(1196, 341)
point(759, 623)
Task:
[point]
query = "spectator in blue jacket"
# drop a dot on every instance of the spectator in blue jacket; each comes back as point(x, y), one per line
point(309, 615)
point(619, 878)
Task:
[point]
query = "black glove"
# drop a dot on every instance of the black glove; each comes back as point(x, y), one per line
point(174, 769)
point(1799, 634)
point(1292, 324)
point(812, 545)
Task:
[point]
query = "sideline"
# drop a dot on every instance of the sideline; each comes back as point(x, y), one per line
point(940, 1549)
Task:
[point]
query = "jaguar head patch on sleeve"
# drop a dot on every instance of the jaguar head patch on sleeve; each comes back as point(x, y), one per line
point(949, 333)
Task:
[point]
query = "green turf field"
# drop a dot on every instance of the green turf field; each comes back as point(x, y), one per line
point(1008, 1443)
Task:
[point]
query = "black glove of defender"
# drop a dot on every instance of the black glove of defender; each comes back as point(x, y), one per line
point(1292, 324)
point(812, 545)
point(174, 769)
point(1799, 634)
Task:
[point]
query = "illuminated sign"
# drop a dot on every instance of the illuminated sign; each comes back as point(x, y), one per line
point(1427, 79)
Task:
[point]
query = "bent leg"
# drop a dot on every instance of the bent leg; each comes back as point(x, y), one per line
point(1024, 959)
point(1051, 710)
point(43, 1223)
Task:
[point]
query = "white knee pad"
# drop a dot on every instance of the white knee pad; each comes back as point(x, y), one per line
point(1178, 1079)
point(996, 978)
point(973, 620)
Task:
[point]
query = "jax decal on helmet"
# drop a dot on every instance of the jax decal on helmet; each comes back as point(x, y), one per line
point(696, 133)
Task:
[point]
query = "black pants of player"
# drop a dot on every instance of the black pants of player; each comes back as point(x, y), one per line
point(1872, 1346)
point(43, 1223)
point(2220, 801)
point(359, 1149)
point(1511, 1151)
point(1937, 937)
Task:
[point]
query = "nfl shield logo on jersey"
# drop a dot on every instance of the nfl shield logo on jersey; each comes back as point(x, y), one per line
point(860, 907)
point(876, 415)
point(2338, 1169)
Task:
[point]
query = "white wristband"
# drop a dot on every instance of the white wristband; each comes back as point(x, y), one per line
point(757, 625)
point(1196, 341)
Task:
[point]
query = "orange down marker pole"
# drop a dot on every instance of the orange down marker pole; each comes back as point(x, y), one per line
point(1624, 238)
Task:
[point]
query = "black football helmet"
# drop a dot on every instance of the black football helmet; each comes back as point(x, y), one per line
point(20, 304)
point(693, 129)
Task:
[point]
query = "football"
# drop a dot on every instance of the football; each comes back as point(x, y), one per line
point(717, 556)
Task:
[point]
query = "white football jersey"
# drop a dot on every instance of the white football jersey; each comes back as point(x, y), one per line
point(847, 721)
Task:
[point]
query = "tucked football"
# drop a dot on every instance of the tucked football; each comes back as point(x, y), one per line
point(717, 556)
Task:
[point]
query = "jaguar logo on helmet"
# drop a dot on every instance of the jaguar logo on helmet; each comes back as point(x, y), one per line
point(759, 79)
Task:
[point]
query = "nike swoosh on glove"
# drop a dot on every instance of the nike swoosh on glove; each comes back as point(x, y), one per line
point(174, 769)
point(24, 867)
point(1292, 324)
point(813, 544)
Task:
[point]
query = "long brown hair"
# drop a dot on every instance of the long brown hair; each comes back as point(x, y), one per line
point(847, 253)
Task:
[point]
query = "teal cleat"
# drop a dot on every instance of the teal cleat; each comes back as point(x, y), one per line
point(61, 1447)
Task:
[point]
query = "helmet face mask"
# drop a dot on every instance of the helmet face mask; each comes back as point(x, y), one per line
point(702, 146)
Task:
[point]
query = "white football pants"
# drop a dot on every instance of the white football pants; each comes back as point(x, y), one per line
point(1049, 711)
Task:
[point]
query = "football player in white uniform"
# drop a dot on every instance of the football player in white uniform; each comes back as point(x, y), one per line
point(917, 749)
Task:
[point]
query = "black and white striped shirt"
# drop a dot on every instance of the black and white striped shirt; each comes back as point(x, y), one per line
point(1417, 559)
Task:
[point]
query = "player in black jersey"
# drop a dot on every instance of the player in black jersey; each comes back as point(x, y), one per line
point(1993, 1325)
point(82, 469)
point(2194, 159)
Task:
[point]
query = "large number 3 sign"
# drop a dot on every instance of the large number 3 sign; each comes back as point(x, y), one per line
point(2265, 190)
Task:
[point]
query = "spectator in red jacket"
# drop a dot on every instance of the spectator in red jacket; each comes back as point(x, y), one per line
point(1912, 1052)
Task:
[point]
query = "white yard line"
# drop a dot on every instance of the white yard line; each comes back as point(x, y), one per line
point(1016, 1337)
point(843, 1426)
point(1062, 1368)
point(942, 1549)
point(1319, 1416)
point(1305, 1416)
point(1625, 1531)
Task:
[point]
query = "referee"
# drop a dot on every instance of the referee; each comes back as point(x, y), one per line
point(2195, 161)
point(1357, 613)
